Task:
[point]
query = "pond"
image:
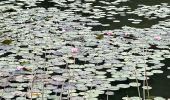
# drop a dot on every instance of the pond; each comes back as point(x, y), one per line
point(84, 49)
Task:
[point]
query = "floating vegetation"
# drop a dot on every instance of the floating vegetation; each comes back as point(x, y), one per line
point(7, 42)
point(1, 33)
point(100, 36)
point(161, 11)
point(24, 63)
point(53, 53)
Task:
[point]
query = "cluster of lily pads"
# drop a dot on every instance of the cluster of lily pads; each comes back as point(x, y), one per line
point(48, 60)
point(51, 54)
point(109, 11)
point(152, 12)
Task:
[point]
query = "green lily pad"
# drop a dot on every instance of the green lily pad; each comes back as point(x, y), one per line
point(24, 62)
point(1, 33)
point(7, 42)
point(100, 36)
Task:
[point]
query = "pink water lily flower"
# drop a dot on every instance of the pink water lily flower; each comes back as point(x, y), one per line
point(126, 34)
point(109, 33)
point(74, 50)
point(20, 68)
point(158, 38)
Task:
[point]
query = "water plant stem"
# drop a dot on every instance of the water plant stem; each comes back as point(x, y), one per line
point(139, 94)
point(147, 85)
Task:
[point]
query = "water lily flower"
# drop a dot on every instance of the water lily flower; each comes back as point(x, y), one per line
point(158, 38)
point(126, 34)
point(109, 33)
point(74, 50)
point(20, 68)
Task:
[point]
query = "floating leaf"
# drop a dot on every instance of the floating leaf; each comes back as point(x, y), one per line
point(24, 62)
point(100, 36)
point(7, 42)
point(1, 33)
point(36, 94)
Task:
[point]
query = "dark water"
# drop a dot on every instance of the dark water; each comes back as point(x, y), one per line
point(133, 4)
point(159, 82)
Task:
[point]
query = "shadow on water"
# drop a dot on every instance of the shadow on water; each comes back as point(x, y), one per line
point(159, 83)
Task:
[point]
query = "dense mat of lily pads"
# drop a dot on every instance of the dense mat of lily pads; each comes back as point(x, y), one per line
point(101, 14)
point(46, 53)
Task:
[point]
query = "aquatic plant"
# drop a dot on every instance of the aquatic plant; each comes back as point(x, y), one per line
point(109, 33)
point(20, 68)
point(7, 41)
point(77, 63)
point(158, 38)
point(100, 36)
point(74, 50)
